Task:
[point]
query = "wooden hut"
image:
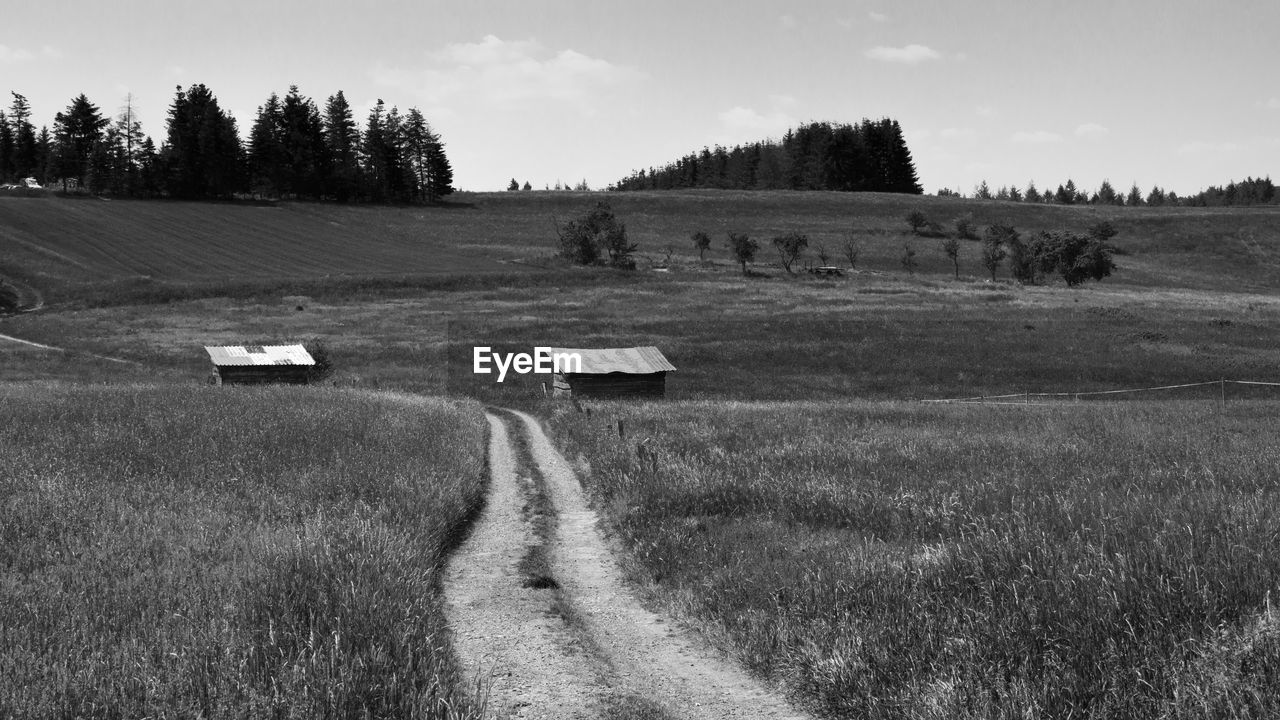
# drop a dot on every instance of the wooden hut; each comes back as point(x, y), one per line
point(612, 372)
point(260, 364)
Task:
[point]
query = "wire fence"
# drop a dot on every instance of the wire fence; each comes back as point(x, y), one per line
point(1026, 398)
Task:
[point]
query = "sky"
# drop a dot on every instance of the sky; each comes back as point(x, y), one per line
point(1173, 93)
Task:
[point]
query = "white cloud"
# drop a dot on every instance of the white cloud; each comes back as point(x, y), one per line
point(1035, 137)
point(985, 111)
point(1091, 130)
point(507, 72)
point(1204, 147)
point(878, 17)
point(788, 21)
point(1272, 104)
point(13, 56)
point(909, 55)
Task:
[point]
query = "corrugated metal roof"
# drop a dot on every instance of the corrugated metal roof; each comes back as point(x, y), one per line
point(226, 355)
point(635, 360)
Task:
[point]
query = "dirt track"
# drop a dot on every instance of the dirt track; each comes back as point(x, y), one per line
point(542, 668)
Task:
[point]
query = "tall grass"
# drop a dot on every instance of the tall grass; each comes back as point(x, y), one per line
point(893, 560)
point(201, 552)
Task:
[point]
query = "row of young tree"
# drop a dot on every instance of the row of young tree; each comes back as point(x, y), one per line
point(869, 156)
point(294, 149)
point(1250, 191)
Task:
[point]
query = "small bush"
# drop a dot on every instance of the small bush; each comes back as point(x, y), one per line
point(598, 235)
point(916, 220)
point(323, 369)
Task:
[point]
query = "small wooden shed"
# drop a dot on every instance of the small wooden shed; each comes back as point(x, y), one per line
point(260, 364)
point(613, 372)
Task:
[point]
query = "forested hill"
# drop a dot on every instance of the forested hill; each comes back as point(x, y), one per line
point(869, 156)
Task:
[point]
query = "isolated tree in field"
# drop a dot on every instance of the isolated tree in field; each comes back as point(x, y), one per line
point(1102, 231)
point(908, 258)
point(993, 247)
point(916, 220)
point(951, 246)
point(824, 255)
point(591, 238)
point(513, 185)
point(526, 186)
point(851, 250)
point(701, 243)
point(743, 249)
point(790, 247)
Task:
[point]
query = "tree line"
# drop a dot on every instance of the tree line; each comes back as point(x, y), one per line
point(295, 149)
point(1250, 191)
point(870, 156)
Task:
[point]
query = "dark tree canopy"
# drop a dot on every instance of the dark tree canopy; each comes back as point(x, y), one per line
point(294, 150)
point(869, 156)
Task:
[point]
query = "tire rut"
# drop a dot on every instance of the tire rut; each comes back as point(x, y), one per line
point(506, 632)
point(635, 652)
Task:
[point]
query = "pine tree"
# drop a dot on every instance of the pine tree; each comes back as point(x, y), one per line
point(1032, 195)
point(126, 148)
point(202, 155)
point(23, 161)
point(266, 149)
point(6, 148)
point(418, 139)
point(302, 141)
point(1106, 194)
point(342, 148)
point(76, 134)
point(373, 154)
point(1134, 198)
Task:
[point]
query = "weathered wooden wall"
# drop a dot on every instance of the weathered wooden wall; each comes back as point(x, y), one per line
point(611, 385)
point(261, 374)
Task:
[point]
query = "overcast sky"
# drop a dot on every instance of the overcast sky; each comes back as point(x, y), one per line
point(1179, 93)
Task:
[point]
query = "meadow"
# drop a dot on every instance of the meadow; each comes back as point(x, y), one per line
point(894, 560)
point(876, 556)
point(201, 552)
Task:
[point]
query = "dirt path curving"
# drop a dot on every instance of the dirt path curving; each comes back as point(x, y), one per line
point(507, 631)
point(634, 651)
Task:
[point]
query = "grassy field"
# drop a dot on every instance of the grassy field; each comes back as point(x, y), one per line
point(888, 560)
point(219, 553)
point(878, 557)
point(93, 251)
